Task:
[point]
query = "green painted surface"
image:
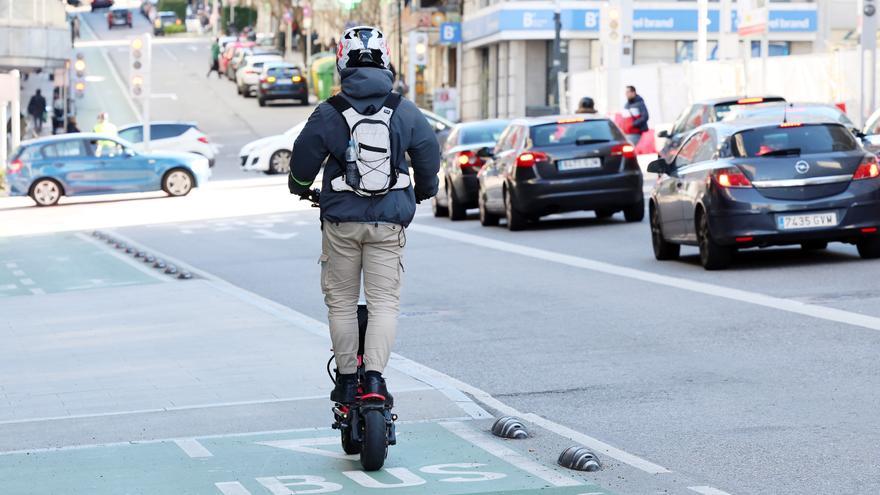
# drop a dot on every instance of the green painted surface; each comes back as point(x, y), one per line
point(59, 263)
point(243, 465)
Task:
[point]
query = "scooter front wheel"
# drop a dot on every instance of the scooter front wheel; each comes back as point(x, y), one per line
point(375, 446)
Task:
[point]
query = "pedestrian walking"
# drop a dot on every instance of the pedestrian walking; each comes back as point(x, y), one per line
point(586, 105)
point(37, 109)
point(215, 59)
point(638, 113)
point(57, 113)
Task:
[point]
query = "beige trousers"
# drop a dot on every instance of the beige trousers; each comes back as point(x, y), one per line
point(350, 251)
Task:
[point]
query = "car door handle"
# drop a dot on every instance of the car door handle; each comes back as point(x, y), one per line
point(58, 164)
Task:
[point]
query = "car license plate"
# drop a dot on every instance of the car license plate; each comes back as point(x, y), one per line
point(284, 82)
point(579, 163)
point(810, 221)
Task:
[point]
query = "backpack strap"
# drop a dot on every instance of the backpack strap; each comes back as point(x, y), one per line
point(339, 103)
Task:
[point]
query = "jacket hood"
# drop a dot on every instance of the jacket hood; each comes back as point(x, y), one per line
point(365, 86)
point(636, 99)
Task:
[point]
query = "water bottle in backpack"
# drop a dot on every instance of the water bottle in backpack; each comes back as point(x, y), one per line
point(352, 176)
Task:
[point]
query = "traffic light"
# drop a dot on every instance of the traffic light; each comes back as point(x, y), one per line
point(139, 65)
point(418, 44)
point(79, 71)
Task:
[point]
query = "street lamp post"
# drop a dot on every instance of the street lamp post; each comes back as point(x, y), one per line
point(557, 55)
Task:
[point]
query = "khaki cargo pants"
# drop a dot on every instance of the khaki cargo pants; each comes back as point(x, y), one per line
point(352, 250)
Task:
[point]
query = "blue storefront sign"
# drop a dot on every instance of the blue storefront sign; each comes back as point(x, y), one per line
point(450, 32)
point(644, 21)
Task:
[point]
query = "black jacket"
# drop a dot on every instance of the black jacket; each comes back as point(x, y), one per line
point(326, 136)
point(639, 111)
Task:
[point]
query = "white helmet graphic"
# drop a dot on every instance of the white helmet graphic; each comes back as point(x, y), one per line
point(362, 46)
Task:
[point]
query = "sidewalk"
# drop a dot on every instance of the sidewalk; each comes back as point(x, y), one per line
point(157, 385)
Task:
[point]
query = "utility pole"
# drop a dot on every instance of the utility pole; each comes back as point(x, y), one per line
point(553, 90)
point(867, 43)
point(703, 30)
point(399, 37)
point(16, 109)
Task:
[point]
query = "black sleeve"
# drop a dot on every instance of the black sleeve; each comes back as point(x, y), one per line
point(309, 152)
point(424, 152)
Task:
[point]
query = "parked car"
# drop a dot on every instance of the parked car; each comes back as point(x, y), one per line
point(164, 19)
point(171, 136)
point(442, 126)
point(270, 155)
point(704, 112)
point(118, 16)
point(101, 4)
point(558, 164)
point(85, 163)
point(459, 164)
point(281, 81)
point(871, 133)
point(247, 76)
point(792, 112)
point(742, 184)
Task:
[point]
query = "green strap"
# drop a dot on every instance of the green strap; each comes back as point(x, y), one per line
point(304, 184)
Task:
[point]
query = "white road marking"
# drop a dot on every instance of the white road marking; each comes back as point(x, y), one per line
point(170, 55)
point(707, 490)
point(123, 88)
point(232, 488)
point(26, 281)
point(307, 446)
point(8, 287)
point(270, 234)
point(18, 273)
point(192, 448)
point(11, 265)
point(758, 299)
point(129, 260)
point(37, 292)
point(509, 455)
point(436, 379)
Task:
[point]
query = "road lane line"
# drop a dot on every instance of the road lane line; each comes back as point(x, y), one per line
point(8, 287)
point(18, 273)
point(11, 265)
point(133, 262)
point(232, 488)
point(707, 490)
point(123, 88)
point(758, 299)
point(26, 281)
point(436, 379)
point(509, 455)
point(192, 448)
point(37, 292)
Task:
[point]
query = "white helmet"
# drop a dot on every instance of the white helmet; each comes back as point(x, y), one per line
point(362, 46)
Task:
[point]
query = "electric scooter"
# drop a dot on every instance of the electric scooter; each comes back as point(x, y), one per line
point(366, 427)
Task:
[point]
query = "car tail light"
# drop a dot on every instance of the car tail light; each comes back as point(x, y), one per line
point(203, 139)
point(749, 101)
point(14, 167)
point(296, 78)
point(625, 150)
point(468, 159)
point(269, 79)
point(731, 177)
point(868, 169)
point(790, 124)
point(869, 230)
point(530, 158)
point(250, 71)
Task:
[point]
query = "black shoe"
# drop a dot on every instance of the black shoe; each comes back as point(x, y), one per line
point(346, 389)
point(375, 389)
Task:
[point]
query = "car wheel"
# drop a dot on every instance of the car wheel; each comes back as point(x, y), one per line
point(177, 182)
point(604, 213)
point(713, 256)
point(456, 211)
point(663, 249)
point(46, 192)
point(515, 220)
point(304, 102)
point(636, 212)
point(261, 101)
point(237, 88)
point(814, 245)
point(279, 162)
point(869, 248)
point(437, 210)
point(487, 219)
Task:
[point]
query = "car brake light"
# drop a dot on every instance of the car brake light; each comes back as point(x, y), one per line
point(203, 139)
point(869, 230)
point(749, 101)
point(14, 166)
point(296, 78)
point(868, 169)
point(530, 158)
point(468, 159)
point(625, 150)
point(572, 120)
point(731, 177)
point(790, 124)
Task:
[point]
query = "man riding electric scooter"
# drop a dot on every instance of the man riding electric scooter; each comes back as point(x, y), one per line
point(367, 200)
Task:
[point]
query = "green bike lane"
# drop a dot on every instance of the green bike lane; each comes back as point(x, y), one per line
point(33, 265)
point(438, 458)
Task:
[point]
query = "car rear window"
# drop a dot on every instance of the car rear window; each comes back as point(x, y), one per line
point(722, 109)
point(570, 132)
point(488, 132)
point(284, 72)
point(792, 139)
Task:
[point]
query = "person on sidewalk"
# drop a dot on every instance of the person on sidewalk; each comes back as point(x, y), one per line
point(638, 111)
point(215, 59)
point(104, 126)
point(36, 109)
point(586, 105)
point(364, 234)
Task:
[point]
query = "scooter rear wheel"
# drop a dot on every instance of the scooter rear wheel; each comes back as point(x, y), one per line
point(375, 446)
point(348, 444)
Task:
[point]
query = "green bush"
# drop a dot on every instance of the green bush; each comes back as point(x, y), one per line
point(244, 16)
point(174, 29)
point(176, 6)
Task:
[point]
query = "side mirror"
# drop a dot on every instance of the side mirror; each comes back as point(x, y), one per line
point(485, 152)
point(658, 166)
point(663, 134)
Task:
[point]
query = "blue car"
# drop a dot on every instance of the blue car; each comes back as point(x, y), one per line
point(85, 164)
